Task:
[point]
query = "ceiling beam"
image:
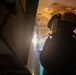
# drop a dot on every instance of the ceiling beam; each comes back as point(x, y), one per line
point(30, 15)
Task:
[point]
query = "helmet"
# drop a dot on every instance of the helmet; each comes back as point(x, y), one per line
point(67, 19)
point(69, 16)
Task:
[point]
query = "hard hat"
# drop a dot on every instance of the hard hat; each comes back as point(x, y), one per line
point(69, 16)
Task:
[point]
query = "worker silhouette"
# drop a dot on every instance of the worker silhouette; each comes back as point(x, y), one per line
point(58, 56)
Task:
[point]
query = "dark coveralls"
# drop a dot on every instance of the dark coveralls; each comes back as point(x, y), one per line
point(58, 56)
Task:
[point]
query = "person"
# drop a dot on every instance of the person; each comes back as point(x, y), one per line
point(58, 56)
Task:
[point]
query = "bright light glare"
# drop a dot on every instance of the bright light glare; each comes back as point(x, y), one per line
point(40, 49)
point(50, 37)
point(32, 73)
point(35, 40)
